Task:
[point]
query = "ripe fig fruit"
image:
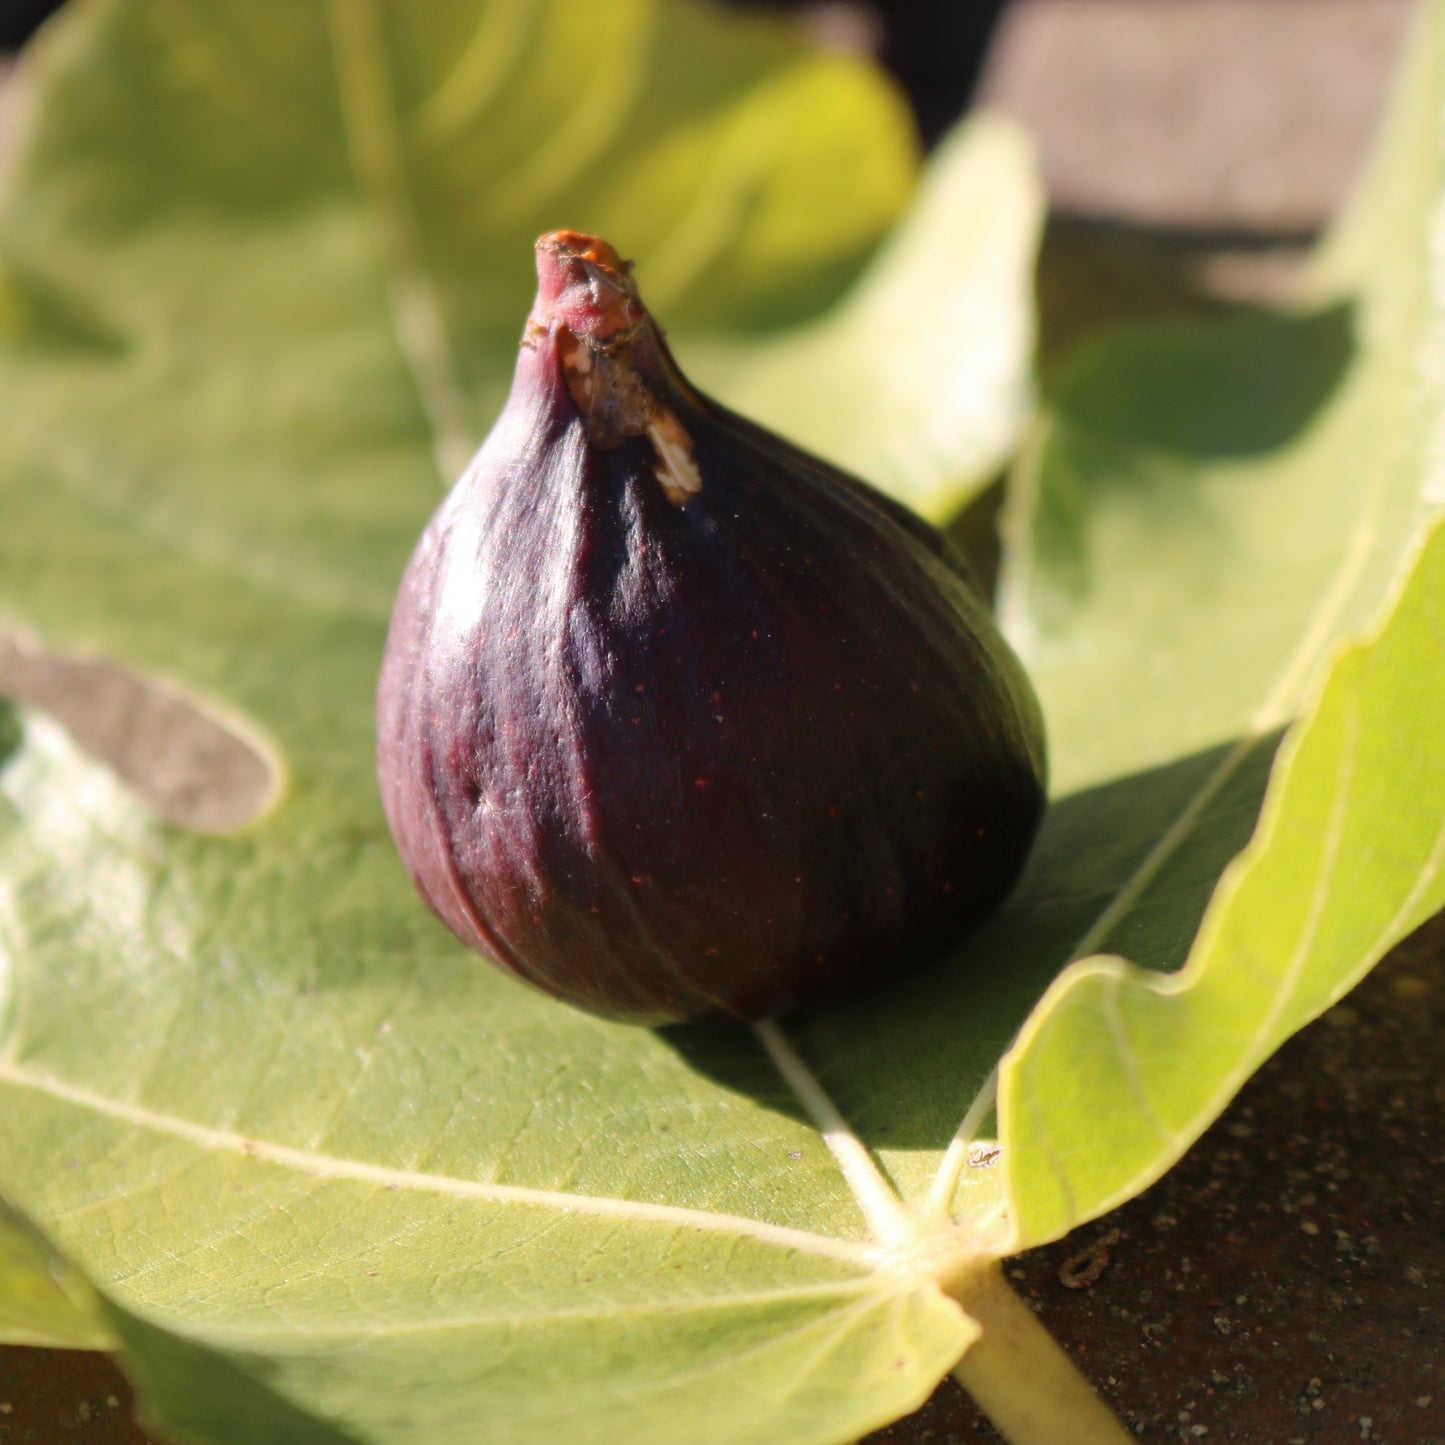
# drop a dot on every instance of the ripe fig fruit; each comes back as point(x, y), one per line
point(677, 721)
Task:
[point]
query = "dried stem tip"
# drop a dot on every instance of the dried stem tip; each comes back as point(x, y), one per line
point(586, 287)
point(613, 360)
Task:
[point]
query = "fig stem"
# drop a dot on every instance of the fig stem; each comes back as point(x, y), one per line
point(1019, 1375)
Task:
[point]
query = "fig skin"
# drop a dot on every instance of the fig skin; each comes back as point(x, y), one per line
point(678, 722)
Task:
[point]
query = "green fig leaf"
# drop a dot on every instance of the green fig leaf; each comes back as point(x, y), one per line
point(1348, 857)
point(1277, 473)
point(333, 1178)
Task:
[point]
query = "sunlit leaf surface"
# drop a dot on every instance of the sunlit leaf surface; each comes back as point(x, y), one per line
point(262, 272)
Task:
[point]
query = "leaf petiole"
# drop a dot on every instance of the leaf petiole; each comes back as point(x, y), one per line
point(1019, 1375)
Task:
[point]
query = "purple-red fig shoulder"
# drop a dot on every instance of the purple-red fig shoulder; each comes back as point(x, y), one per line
point(677, 721)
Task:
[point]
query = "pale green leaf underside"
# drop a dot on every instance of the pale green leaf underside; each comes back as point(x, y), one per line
point(325, 1161)
point(1349, 856)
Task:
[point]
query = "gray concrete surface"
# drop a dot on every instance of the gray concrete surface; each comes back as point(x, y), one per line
point(1206, 114)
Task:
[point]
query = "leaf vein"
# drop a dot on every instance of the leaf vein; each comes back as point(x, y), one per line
point(328, 1167)
point(1128, 1059)
point(877, 1199)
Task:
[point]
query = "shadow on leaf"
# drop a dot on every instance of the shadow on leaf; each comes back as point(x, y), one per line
point(1266, 376)
point(950, 1021)
point(190, 1388)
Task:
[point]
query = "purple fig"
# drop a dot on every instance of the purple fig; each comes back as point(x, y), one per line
point(677, 721)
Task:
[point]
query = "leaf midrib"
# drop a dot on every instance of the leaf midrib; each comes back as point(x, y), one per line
point(326, 1166)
